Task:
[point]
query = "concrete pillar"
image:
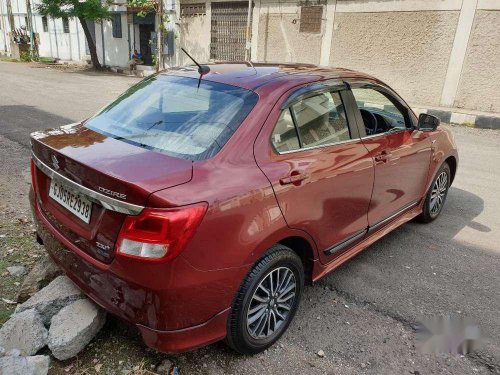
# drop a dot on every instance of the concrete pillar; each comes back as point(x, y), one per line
point(326, 42)
point(457, 57)
point(255, 29)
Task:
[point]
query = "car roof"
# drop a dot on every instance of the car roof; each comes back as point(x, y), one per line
point(253, 76)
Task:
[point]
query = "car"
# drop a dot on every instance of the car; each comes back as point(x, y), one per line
point(198, 204)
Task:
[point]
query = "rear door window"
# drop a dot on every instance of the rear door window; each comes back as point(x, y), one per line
point(315, 121)
point(284, 137)
point(173, 115)
point(321, 120)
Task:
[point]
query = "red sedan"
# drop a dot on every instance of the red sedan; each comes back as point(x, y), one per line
point(197, 207)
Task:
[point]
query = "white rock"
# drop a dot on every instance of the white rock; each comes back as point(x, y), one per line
point(44, 271)
point(36, 365)
point(321, 353)
point(164, 367)
point(13, 353)
point(73, 327)
point(16, 270)
point(24, 331)
point(48, 301)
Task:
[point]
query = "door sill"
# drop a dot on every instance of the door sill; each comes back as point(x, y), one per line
point(321, 270)
point(352, 239)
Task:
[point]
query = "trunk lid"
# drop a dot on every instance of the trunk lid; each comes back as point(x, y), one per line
point(105, 167)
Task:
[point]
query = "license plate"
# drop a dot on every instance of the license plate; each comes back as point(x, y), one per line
point(74, 202)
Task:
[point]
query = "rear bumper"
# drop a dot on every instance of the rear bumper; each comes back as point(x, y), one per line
point(189, 338)
point(172, 313)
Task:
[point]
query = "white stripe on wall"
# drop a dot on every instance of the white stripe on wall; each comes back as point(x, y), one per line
point(458, 52)
point(397, 5)
point(326, 42)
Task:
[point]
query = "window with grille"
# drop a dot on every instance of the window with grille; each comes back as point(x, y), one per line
point(116, 22)
point(45, 24)
point(190, 10)
point(310, 19)
point(65, 22)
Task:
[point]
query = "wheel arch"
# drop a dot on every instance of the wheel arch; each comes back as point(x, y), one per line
point(298, 241)
point(304, 250)
point(452, 163)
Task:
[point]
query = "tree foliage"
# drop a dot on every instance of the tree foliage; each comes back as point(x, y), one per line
point(92, 10)
point(143, 6)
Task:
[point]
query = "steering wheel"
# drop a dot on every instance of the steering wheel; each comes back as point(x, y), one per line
point(370, 121)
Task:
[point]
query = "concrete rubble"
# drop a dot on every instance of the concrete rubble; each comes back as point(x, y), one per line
point(72, 328)
point(48, 301)
point(24, 331)
point(17, 365)
point(44, 271)
point(58, 316)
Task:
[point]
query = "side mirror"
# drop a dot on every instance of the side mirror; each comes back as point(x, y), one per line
point(427, 122)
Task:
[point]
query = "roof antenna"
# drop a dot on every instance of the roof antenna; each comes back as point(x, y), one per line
point(202, 69)
point(253, 67)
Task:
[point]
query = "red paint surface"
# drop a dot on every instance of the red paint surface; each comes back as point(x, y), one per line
point(183, 303)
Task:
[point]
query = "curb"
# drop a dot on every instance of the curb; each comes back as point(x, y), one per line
point(466, 119)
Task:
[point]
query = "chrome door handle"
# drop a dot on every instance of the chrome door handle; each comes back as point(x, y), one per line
point(293, 178)
point(383, 157)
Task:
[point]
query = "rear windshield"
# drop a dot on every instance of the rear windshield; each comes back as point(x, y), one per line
point(171, 114)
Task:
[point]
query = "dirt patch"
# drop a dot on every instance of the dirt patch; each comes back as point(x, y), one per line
point(17, 247)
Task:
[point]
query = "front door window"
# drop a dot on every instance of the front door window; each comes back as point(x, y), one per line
point(379, 111)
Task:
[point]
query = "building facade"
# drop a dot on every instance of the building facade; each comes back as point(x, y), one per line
point(64, 39)
point(436, 53)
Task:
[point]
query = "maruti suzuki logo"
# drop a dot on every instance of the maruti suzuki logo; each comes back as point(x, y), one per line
point(55, 162)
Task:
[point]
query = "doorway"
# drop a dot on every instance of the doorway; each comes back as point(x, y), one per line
point(146, 34)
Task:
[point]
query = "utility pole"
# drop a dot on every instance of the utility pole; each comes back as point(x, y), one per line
point(248, 36)
point(29, 27)
point(3, 25)
point(11, 17)
point(159, 37)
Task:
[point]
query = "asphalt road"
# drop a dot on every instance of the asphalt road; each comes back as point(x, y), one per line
point(363, 315)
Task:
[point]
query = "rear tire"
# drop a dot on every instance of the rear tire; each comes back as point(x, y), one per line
point(436, 196)
point(266, 302)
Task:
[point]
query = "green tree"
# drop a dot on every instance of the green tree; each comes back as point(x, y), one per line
point(86, 10)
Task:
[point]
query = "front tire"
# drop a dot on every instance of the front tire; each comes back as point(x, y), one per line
point(436, 196)
point(266, 301)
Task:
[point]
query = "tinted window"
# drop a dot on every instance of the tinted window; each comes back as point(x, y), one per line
point(116, 22)
point(172, 115)
point(45, 24)
point(321, 120)
point(284, 137)
point(379, 111)
point(65, 23)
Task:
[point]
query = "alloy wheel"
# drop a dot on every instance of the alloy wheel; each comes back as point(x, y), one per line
point(271, 303)
point(438, 193)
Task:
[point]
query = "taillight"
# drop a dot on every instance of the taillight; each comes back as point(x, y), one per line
point(33, 177)
point(159, 234)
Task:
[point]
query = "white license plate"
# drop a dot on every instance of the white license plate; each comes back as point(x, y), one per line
point(74, 202)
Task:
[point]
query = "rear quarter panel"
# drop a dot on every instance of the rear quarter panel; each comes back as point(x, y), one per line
point(243, 219)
